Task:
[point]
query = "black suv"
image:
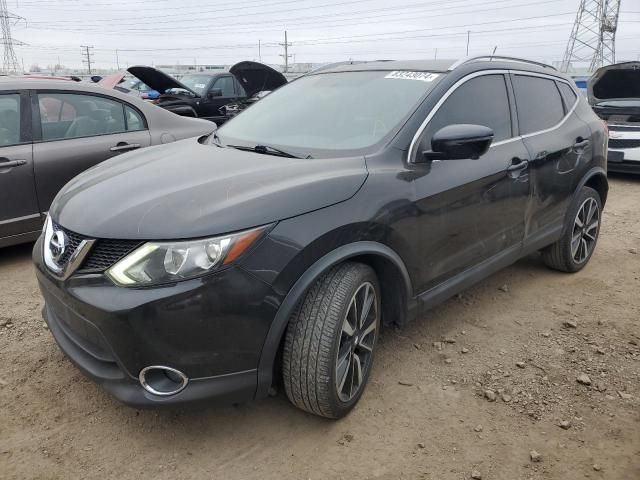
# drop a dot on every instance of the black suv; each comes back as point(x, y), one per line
point(354, 197)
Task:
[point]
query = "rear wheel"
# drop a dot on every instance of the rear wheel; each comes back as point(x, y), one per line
point(573, 251)
point(330, 341)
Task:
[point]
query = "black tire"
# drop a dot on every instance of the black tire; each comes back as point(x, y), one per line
point(561, 255)
point(315, 337)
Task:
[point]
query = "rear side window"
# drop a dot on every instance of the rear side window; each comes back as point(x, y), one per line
point(9, 120)
point(69, 115)
point(539, 103)
point(569, 95)
point(480, 101)
point(134, 120)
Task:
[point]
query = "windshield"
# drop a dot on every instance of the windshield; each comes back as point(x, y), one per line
point(197, 83)
point(332, 111)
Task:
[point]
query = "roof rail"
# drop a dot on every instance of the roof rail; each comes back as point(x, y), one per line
point(501, 58)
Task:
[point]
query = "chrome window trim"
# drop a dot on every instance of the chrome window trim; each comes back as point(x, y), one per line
point(455, 86)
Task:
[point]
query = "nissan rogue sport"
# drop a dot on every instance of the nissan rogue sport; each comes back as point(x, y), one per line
point(277, 248)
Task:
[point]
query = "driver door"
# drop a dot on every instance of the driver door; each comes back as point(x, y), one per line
point(212, 104)
point(472, 210)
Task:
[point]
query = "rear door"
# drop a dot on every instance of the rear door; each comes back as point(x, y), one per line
point(472, 210)
point(74, 131)
point(559, 145)
point(19, 214)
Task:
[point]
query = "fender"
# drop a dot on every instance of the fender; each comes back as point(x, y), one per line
point(281, 320)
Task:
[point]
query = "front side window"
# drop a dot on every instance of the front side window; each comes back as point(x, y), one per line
point(480, 101)
point(539, 103)
point(9, 119)
point(225, 84)
point(331, 111)
point(69, 115)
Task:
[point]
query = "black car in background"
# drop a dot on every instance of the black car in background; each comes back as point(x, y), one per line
point(281, 246)
point(205, 94)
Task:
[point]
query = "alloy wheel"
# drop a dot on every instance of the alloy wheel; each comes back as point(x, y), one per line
point(585, 230)
point(357, 340)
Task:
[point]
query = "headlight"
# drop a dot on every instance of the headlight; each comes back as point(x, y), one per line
point(167, 262)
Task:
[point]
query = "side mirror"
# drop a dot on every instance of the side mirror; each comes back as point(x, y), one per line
point(459, 142)
point(214, 92)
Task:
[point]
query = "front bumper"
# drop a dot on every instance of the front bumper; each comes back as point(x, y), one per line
point(624, 160)
point(212, 329)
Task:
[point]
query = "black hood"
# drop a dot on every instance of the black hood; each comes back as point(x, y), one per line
point(615, 82)
point(157, 80)
point(257, 77)
point(188, 190)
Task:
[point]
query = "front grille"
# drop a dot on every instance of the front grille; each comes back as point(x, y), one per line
point(624, 143)
point(106, 252)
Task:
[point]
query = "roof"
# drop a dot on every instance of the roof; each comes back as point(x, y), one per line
point(47, 83)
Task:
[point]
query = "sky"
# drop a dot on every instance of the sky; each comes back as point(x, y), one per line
point(153, 32)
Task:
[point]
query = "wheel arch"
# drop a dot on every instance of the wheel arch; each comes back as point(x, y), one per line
point(392, 275)
point(596, 178)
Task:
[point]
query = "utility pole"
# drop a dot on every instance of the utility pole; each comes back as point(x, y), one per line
point(10, 60)
point(286, 55)
point(260, 51)
point(87, 52)
point(117, 60)
point(468, 39)
point(593, 37)
point(435, 54)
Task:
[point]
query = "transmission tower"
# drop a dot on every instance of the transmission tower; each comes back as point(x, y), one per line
point(593, 37)
point(10, 61)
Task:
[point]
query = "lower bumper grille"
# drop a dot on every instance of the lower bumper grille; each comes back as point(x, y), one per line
point(624, 143)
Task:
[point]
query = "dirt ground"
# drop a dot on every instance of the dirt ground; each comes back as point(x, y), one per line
point(427, 413)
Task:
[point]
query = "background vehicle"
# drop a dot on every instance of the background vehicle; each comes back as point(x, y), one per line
point(614, 94)
point(143, 91)
point(308, 221)
point(51, 130)
point(204, 95)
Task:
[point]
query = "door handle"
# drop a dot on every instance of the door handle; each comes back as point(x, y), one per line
point(121, 147)
point(12, 163)
point(581, 143)
point(517, 165)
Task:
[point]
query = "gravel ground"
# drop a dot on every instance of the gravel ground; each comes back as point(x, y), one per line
point(532, 374)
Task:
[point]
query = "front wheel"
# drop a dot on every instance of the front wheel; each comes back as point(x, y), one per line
point(573, 251)
point(330, 341)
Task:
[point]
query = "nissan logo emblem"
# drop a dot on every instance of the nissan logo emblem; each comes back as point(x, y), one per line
point(57, 245)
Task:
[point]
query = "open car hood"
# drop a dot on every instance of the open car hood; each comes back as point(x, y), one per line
point(257, 77)
point(157, 80)
point(615, 82)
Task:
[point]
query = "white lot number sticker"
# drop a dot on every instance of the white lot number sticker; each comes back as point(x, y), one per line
point(420, 76)
point(199, 85)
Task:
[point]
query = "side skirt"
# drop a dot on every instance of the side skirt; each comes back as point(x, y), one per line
point(473, 275)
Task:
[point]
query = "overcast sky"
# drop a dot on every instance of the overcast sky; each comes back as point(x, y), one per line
point(156, 32)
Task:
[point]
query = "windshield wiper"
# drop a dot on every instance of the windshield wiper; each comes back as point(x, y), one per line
point(267, 150)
